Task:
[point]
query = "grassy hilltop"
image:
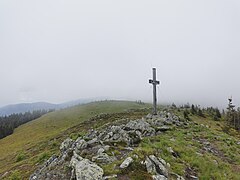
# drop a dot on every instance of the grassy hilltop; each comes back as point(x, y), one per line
point(201, 148)
point(35, 141)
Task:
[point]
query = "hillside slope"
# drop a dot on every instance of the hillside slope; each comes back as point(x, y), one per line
point(33, 142)
point(189, 149)
point(158, 147)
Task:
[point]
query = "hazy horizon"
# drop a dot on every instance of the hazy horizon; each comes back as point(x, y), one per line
point(58, 51)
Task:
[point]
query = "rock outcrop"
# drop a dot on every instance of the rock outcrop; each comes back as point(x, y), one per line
point(85, 156)
point(88, 170)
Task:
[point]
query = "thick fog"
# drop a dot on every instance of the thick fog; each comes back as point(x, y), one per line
point(57, 50)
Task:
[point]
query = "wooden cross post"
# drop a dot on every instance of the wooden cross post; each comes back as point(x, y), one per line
point(154, 82)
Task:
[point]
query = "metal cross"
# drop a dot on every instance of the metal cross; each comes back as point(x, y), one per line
point(154, 82)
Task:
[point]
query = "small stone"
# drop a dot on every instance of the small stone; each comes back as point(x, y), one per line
point(193, 177)
point(81, 144)
point(168, 165)
point(176, 176)
point(106, 148)
point(199, 154)
point(169, 149)
point(135, 156)
point(100, 151)
point(92, 141)
point(6, 173)
point(159, 177)
point(34, 177)
point(103, 158)
point(215, 161)
point(163, 128)
point(129, 148)
point(126, 163)
point(110, 177)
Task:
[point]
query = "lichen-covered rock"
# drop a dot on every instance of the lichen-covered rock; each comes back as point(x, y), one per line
point(126, 162)
point(100, 151)
point(87, 170)
point(156, 166)
point(81, 144)
point(160, 165)
point(66, 144)
point(114, 176)
point(103, 158)
point(159, 177)
point(140, 125)
point(150, 166)
point(93, 141)
point(75, 159)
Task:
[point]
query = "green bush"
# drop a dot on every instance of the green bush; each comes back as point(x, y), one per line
point(15, 176)
point(20, 157)
point(42, 157)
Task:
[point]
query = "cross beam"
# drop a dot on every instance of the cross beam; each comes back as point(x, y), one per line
point(154, 82)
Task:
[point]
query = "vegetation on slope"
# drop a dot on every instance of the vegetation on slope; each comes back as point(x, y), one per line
point(34, 142)
point(202, 149)
point(9, 123)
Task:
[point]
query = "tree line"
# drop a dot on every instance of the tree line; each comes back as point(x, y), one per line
point(9, 123)
point(212, 112)
point(231, 115)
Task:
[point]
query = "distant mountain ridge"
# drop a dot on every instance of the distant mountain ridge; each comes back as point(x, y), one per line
point(25, 107)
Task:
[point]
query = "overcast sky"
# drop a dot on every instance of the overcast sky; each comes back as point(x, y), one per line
point(55, 50)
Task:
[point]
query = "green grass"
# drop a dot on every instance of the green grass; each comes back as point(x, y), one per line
point(32, 143)
point(21, 156)
point(39, 139)
point(183, 141)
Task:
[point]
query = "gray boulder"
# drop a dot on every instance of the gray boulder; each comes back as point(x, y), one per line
point(126, 162)
point(75, 159)
point(100, 151)
point(87, 170)
point(156, 166)
point(81, 144)
point(137, 125)
point(142, 126)
point(66, 144)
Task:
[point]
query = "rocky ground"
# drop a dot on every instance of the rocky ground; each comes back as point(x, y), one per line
point(89, 155)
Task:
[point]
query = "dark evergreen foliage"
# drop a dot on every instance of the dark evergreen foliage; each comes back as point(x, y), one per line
point(185, 114)
point(9, 123)
point(232, 115)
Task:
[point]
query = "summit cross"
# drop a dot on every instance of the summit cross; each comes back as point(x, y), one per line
point(154, 82)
